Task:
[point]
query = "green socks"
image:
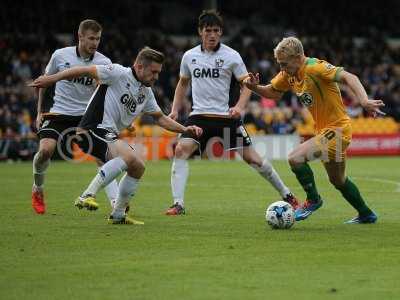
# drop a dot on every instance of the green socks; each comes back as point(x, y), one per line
point(351, 193)
point(305, 176)
point(349, 190)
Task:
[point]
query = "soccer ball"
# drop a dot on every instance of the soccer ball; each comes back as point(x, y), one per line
point(280, 215)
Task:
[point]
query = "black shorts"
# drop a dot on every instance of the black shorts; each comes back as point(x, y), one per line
point(58, 127)
point(226, 131)
point(95, 142)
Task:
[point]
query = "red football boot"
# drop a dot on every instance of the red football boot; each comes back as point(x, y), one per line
point(38, 201)
point(292, 200)
point(175, 210)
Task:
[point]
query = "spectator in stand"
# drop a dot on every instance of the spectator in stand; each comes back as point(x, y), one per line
point(25, 49)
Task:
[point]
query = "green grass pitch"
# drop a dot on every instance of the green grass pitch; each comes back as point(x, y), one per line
point(222, 248)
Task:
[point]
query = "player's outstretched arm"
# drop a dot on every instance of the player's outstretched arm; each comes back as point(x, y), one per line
point(170, 124)
point(352, 81)
point(180, 92)
point(48, 80)
point(253, 83)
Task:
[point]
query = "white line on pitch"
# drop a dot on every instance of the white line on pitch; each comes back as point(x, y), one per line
point(397, 184)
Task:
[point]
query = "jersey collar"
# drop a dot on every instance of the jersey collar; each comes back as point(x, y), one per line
point(300, 72)
point(215, 49)
point(135, 75)
point(85, 59)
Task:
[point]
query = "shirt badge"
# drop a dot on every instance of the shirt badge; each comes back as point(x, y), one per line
point(219, 62)
point(140, 98)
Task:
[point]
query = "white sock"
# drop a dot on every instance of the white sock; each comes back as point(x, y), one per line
point(179, 176)
point(111, 190)
point(268, 172)
point(127, 189)
point(107, 173)
point(39, 171)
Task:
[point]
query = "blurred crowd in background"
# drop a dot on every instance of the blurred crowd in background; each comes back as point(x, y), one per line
point(342, 34)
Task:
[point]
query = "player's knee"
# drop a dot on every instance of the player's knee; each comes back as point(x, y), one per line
point(293, 160)
point(337, 181)
point(181, 152)
point(253, 161)
point(136, 167)
point(45, 153)
point(296, 158)
point(46, 149)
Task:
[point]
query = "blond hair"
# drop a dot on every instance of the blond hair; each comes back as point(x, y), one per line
point(289, 47)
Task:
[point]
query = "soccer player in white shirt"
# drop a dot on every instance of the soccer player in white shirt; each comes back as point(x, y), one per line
point(122, 95)
point(210, 67)
point(60, 110)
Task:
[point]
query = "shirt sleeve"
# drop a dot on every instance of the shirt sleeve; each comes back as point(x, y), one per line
point(184, 70)
point(52, 66)
point(151, 104)
point(327, 71)
point(108, 74)
point(280, 82)
point(238, 67)
point(107, 61)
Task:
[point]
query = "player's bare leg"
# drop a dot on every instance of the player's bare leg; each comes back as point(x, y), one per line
point(179, 174)
point(336, 172)
point(267, 171)
point(337, 176)
point(41, 162)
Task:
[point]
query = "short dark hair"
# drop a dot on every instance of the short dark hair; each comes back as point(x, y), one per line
point(210, 17)
point(148, 55)
point(89, 24)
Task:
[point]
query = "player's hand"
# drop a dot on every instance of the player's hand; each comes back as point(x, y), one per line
point(252, 80)
point(235, 112)
point(373, 106)
point(194, 130)
point(43, 81)
point(38, 121)
point(173, 115)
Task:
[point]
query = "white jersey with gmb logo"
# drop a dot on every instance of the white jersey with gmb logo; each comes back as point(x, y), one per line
point(118, 100)
point(71, 96)
point(211, 74)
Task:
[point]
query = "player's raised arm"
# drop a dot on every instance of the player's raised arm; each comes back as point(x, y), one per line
point(180, 91)
point(353, 82)
point(252, 82)
point(48, 80)
point(170, 124)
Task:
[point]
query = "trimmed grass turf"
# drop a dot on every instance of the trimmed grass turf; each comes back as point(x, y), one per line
point(221, 249)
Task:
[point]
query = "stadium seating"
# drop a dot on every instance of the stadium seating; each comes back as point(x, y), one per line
point(24, 56)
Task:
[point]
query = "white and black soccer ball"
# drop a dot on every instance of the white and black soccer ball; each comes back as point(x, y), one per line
point(280, 215)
